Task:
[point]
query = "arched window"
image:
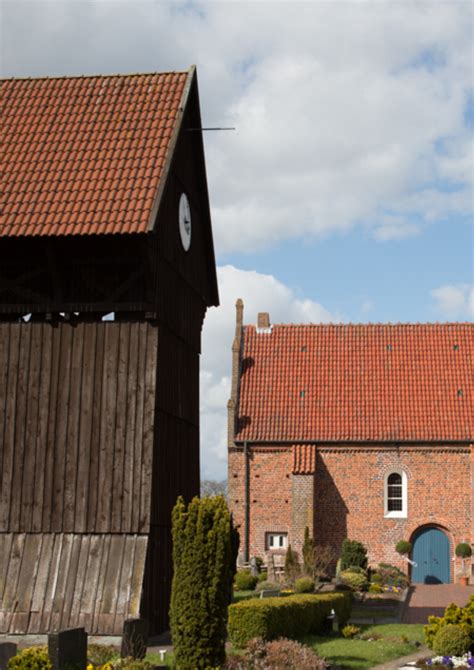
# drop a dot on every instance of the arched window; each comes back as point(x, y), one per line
point(396, 494)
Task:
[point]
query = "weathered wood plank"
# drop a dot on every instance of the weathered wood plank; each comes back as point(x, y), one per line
point(62, 428)
point(123, 593)
point(32, 401)
point(11, 585)
point(105, 540)
point(45, 333)
point(47, 604)
point(84, 483)
point(81, 578)
point(4, 390)
point(136, 581)
point(9, 436)
point(51, 441)
point(131, 448)
point(45, 563)
point(95, 445)
point(72, 438)
point(118, 447)
point(26, 582)
point(61, 583)
point(71, 580)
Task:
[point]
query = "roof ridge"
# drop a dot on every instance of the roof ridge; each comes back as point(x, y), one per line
point(95, 76)
point(372, 324)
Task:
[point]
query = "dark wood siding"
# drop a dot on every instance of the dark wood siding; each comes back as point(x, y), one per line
point(52, 581)
point(77, 413)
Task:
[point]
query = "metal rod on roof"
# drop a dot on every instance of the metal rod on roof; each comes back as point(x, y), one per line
point(211, 128)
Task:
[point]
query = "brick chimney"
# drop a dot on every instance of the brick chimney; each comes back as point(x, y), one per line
point(263, 323)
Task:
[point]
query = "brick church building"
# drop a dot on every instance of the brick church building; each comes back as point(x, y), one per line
point(363, 432)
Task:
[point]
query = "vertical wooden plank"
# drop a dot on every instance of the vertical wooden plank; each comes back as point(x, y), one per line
point(71, 580)
point(84, 483)
point(148, 426)
point(72, 440)
point(118, 445)
point(136, 581)
point(62, 417)
point(26, 583)
point(89, 594)
point(81, 579)
point(11, 583)
point(101, 583)
point(39, 593)
point(32, 392)
point(6, 497)
point(125, 581)
point(21, 469)
point(129, 458)
point(51, 440)
point(107, 427)
point(59, 594)
point(4, 392)
point(44, 331)
point(52, 578)
point(138, 445)
point(94, 466)
point(6, 540)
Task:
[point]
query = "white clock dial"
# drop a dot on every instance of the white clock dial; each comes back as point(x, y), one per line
point(185, 221)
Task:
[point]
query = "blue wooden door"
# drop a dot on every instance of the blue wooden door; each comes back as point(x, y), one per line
point(431, 555)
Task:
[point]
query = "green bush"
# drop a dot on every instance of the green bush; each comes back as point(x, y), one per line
point(376, 578)
point(451, 640)
point(403, 547)
point(244, 581)
point(205, 546)
point(268, 586)
point(353, 553)
point(463, 550)
point(99, 654)
point(263, 576)
point(375, 588)
point(131, 664)
point(304, 585)
point(452, 615)
point(291, 617)
point(350, 631)
point(356, 580)
point(390, 575)
point(31, 658)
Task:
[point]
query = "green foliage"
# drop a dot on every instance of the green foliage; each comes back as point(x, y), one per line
point(291, 617)
point(375, 588)
point(452, 615)
point(389, 575)
point(451, 640)
point(281, 653)
point(350, 631)
point(244, 581)
point(31, 658)
point(403, 547)
point(204, 551)
point(356, 580)
point(132, 664)
point(99, 654)
point(304, 585)
point(267, 586)
point(353, 553)
point(263, 576)
point(292, 566)
point(463, 550)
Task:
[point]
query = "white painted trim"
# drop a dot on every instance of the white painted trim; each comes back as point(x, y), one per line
point(403, 513)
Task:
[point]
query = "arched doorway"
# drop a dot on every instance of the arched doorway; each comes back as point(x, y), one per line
point(431, 556)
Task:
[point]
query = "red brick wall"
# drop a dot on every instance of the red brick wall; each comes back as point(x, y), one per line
point(349, 495)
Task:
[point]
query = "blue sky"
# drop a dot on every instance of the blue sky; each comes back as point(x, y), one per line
point(345, 192)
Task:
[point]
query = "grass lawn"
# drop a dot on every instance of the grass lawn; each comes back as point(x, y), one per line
point(244, 595)
point(362, 654)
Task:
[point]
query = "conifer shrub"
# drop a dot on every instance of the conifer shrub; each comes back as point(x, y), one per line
point(244, 581)
point(205, 546)
point(463, 616)
point(451, 640)
point(292, 565)
point(304, 585)
point(353, 554)
point(290, 617)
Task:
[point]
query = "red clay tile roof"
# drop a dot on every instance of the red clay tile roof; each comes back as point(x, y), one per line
point(304, 459)
point(85, 155)
point(357, 383)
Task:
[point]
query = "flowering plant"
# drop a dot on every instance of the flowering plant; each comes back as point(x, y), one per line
point(460, 662)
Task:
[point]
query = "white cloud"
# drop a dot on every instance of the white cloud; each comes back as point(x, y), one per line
point(455, 301)
point(344, 111)
point(260, 293)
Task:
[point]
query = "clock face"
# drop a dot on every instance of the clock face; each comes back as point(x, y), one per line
point(185, 221)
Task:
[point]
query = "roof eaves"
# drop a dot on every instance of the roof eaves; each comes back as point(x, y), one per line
point(171, 148)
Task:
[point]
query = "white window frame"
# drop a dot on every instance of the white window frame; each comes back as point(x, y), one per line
point(283, 537)
point(396, 514)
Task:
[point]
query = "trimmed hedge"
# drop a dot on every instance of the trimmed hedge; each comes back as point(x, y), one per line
point(291, 617)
